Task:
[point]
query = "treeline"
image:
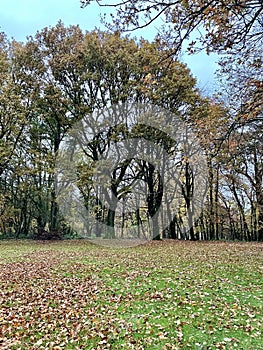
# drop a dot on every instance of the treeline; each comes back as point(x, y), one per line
point(59, 78)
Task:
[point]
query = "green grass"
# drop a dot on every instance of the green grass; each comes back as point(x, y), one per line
point(161, 295)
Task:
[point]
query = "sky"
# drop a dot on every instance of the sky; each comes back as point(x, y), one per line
point(20, 18)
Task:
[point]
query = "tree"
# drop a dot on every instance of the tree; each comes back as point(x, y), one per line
point(222, 25)
point(12, 110)
point(37, 68)
point(246, 178)
point(120, 73)
point(14, 118)
point(242, 88)
point(60, 76)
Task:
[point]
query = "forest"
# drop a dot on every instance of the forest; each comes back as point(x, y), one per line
point(63, 76)
point(131, 199)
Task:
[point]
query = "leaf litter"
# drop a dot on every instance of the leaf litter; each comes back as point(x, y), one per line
point(161, 295)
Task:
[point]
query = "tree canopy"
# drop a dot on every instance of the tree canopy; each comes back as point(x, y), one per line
point(222, 25)
point(62, 75)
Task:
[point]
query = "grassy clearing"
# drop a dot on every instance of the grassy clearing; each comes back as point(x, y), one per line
point(161, 295)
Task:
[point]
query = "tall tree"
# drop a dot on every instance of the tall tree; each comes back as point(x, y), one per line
point(14, 118)
point(38, 69)
point(242, 88)
point(123, 72)
point(60, 76)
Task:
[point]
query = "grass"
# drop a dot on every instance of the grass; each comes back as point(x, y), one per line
point(160, 295)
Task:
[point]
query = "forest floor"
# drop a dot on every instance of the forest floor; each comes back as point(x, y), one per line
point(160, 295)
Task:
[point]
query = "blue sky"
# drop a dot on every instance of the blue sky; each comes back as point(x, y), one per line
point(20, 18)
